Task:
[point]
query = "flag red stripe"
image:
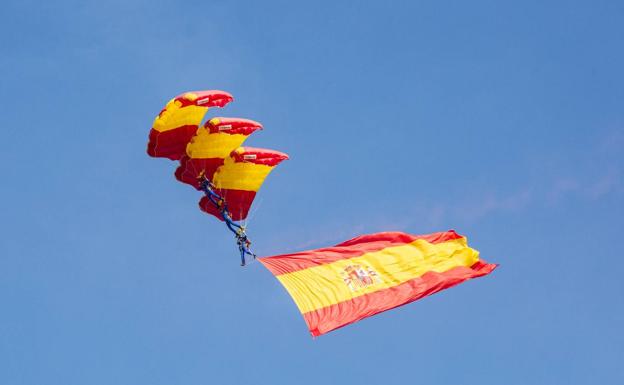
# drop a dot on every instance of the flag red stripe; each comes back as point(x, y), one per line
point(288, 263)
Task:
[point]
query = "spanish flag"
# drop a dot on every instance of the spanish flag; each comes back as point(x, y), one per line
point(339, 285)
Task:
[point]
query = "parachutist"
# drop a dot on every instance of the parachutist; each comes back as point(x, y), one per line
point(243, 246)
point(212, 158)
point(242, 241)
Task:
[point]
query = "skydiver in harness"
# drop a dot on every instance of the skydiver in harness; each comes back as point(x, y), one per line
point(219, 202)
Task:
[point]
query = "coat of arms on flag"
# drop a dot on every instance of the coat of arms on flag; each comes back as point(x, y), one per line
point(358, 276)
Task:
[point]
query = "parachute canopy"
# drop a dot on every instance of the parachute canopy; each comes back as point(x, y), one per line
point(177, 123)
point(213, 151)
point(211, 144)
point(240, 177)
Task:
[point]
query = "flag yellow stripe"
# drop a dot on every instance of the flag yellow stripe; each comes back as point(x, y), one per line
point(324, 285)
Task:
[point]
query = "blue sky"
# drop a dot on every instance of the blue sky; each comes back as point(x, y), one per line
point(502, 120)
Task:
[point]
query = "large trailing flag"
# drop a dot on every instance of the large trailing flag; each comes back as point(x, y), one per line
point(339, 285)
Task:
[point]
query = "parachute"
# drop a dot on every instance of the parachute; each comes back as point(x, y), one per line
point(240, 177)
point(212, 159)
point(177, 123)
point(211, 145)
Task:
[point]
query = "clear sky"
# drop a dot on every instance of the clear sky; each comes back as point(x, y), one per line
point(503, 120)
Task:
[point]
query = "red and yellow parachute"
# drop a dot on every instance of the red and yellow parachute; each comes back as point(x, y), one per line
point(212, 150)
point(177, 123)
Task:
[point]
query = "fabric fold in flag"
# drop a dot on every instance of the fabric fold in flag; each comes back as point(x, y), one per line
point(336, 286)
